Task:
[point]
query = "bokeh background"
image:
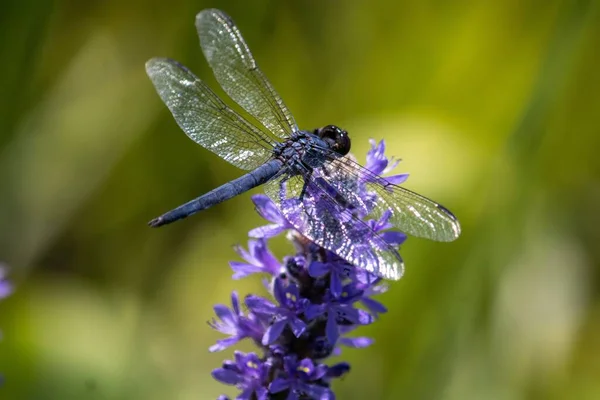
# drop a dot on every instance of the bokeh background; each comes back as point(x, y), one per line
point(494, 108)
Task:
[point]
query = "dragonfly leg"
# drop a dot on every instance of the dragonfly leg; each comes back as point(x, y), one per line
point(306, 181)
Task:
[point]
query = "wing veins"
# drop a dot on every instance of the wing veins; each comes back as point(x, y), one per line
point(238, 73)
point(206, 119)
point(416, 214)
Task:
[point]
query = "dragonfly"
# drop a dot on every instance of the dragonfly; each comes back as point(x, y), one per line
point(309, 175)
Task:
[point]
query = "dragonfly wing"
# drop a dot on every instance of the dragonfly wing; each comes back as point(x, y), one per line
point(326, 222)
point(239, 75)
point(373, 196)
point(206, 119)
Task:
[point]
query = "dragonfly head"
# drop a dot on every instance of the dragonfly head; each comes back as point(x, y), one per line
point(337, 138)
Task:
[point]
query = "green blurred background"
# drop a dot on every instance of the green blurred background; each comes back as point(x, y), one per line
point(493, 106)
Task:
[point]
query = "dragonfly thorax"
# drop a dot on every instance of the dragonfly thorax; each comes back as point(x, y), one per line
point(303, 148)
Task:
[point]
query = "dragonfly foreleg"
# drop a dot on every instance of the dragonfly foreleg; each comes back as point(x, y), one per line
point(307, 178)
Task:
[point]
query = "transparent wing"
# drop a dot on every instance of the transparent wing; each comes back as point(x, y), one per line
point(372, 196)
point(205, 118)
point(328, 223)
point(237, 72)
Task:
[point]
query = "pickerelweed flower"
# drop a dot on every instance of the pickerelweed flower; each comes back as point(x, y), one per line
point(6, 289)
point(315, 304)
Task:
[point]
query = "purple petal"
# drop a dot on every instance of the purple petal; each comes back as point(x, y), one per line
point(265, 257)
point(267, 209)
point(319, 372)
point(329, 395)
point(357, 342)
point(247, 394)
point(240, 359)
point(292, 396)
point(235, 303)
point(392, 163)
point(306, 365)
point(376, 160)
point(394, 238)
point(316, 391)
point(331, 329)
point(377, 289)
point(242, 252)
point(242, 270)
point(364, 318)
point(313, 311)
point(337, 370)
point(336, 285)
point(223, 344)
point(251, 362)
point(273, 332)
point(374, 306)
point(298, 326)
point(260, 305)
point(397, 179)
point(344, 314)
point(262, 393)
point(385, 217)
point(317, 269)
point(266, 231)
point(225, 314)
point(279, 291)
point(279, 385)
point(226, 376)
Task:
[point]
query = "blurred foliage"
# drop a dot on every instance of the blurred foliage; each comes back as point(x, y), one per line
point(494, 107)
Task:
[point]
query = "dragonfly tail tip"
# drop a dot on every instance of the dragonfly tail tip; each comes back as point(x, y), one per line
point(156, 222)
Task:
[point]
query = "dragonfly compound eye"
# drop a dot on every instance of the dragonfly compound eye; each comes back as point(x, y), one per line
point(337, 138)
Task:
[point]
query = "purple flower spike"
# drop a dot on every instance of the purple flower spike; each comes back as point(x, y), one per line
point(259, 260)
point(248, 373)
point(315, 298)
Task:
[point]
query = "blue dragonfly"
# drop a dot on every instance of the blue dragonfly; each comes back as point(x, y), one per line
point(319, 188)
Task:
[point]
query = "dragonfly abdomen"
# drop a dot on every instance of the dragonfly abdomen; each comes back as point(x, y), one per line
point(224, 192)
